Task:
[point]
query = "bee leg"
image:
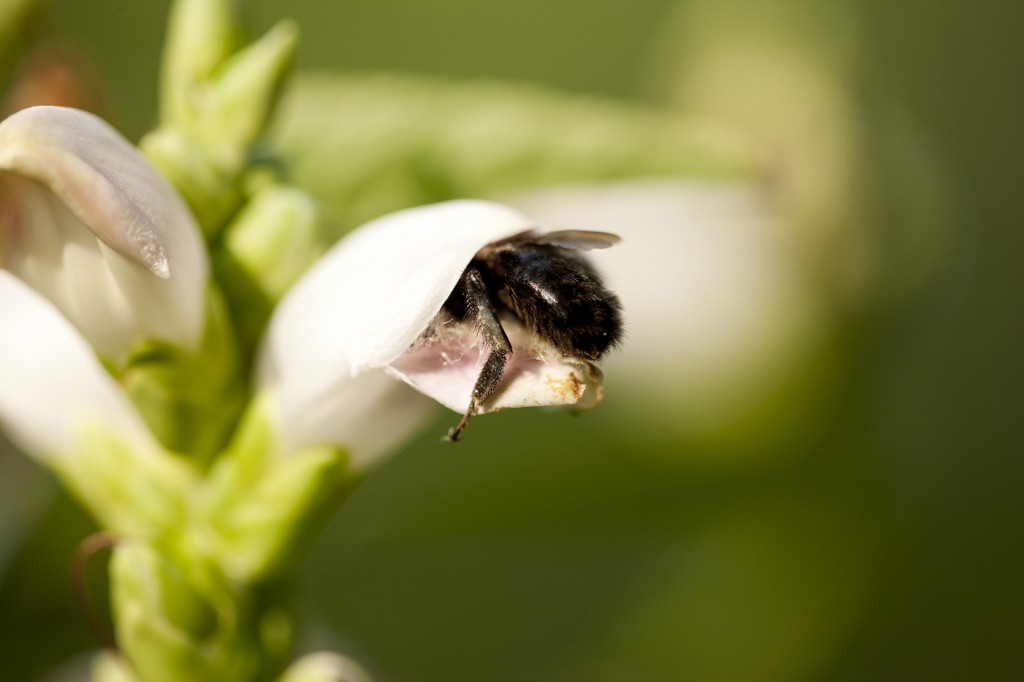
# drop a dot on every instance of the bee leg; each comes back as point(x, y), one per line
point(479, 308)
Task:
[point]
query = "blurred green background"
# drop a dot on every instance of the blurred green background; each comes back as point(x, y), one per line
point(878, 533)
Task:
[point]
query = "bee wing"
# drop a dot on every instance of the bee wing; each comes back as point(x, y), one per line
point(580, 240)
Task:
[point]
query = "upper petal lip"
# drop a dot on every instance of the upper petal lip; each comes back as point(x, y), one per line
point(87, 222)
point(365, 302)
point(95, 172)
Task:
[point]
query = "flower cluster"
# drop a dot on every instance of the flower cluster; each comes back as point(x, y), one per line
point(168, 352)
point(102, 256)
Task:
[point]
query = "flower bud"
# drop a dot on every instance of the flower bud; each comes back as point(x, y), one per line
point(269, 244)
point(210, 189)
point(266, 510)
point(276, 237)
point(201, 34)
point(271, 528)
point(168, 628)
point(215, 92)
point(245, 92)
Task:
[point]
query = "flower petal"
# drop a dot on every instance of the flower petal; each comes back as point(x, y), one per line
point(365, 302)
point(51, 383)
point(88, 223)
point(369, 415)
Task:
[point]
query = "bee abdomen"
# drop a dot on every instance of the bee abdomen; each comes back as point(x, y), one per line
point(562, 300)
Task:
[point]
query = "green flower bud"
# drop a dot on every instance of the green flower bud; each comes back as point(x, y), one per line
point(266, 508)
point(215, 100)
point(168, 628)
point(276, 237)
point(272, 527)
point(228, 108)
point(245, 91)
point(201, 34)
point(210, 189)
point(272, 241)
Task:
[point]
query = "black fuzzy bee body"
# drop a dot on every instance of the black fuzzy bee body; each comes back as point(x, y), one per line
point(542, 281)
point(557, 296)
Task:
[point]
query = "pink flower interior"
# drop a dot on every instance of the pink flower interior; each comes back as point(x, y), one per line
point(445, 365)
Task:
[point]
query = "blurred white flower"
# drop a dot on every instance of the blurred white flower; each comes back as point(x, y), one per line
point(325, 667)
point(719, 305)
point(85, 221)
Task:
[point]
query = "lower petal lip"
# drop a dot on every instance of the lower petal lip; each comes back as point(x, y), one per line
point(52, 380)
point(446, 368)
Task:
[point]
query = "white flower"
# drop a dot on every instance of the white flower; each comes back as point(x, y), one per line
point(85, 221)
point(97, 252)
point(53, 385)
point(348, 326)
